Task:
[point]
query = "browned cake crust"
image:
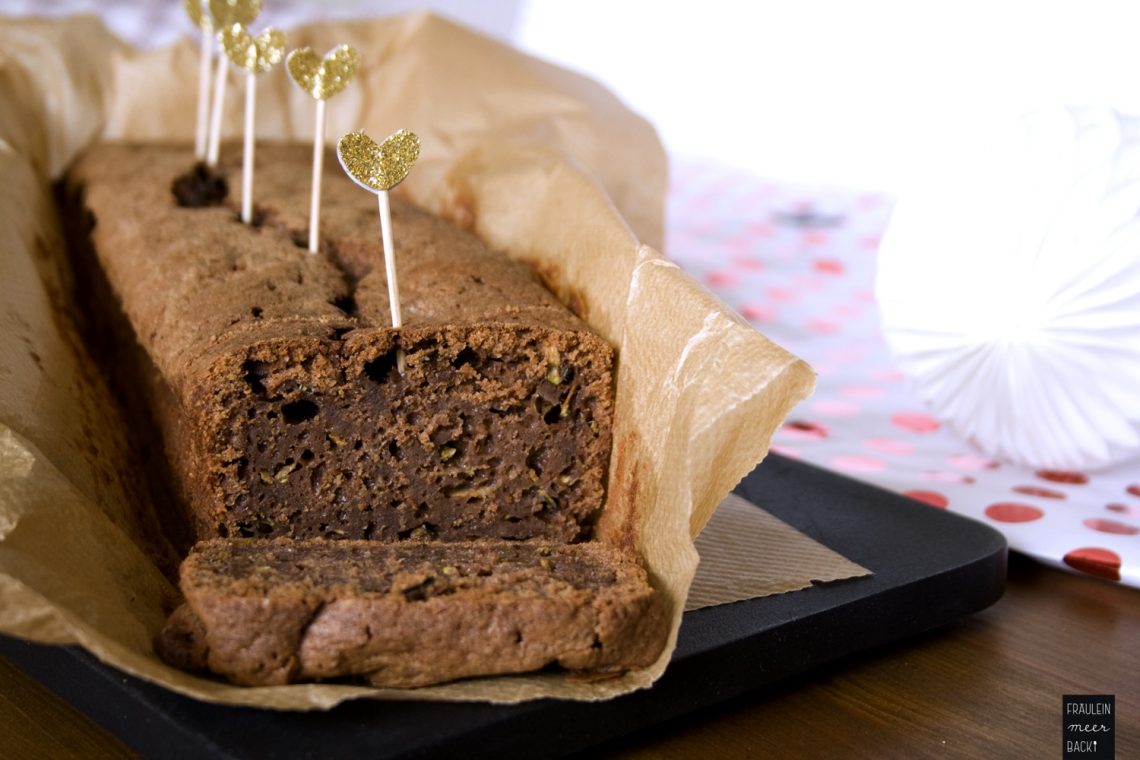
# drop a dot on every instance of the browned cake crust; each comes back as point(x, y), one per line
point(274, 375)
point(413, 613)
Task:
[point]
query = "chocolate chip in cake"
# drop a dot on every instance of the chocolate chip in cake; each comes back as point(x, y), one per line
point(200, 187)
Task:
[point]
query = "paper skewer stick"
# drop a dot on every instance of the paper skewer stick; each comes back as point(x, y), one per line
point(379, 168)
point(256, 55)
point(318, 166)
point(216, 114)
point(322, 78)
point(390, 261)
point(247, 150)
point(205, 58)
point(201, 17)
point(218, 16)
point(390, 270)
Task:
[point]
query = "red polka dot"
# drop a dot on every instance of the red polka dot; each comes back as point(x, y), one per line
point(1044, 493)
point(942, 476)
point(801, 430)
point(740, 245)
point(751, 265)
point(933, 498)
point(835, 408)
point(858, 463)
point(782, 294)
point(721, 279)
point(847, 310)
point(814, 237)
point(1133, 489)
point(761, 229)
point(871, 241)
point(971, 462)
point(889, 375)
point(1063, 476)
point(758, 313)
point(1111, 526)
point(865, 295)
point(823, 326)
point(810, 283)
point(844, 354)
point(862, 391)
point(828, 266)
point(1012, 512)
point(889, 446)
point(1095, 561)
point(915, 422)
point(1123, 509)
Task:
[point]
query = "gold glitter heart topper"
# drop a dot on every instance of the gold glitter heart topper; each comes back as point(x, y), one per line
point(199, 14)
point(378, 167)
point(254, 54)
point(323, 77)
point(226, 13)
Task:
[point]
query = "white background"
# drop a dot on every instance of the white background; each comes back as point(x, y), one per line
point(849, 93)
point(857, 93)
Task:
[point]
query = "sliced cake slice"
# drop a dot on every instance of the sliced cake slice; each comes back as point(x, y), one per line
point(275, 611)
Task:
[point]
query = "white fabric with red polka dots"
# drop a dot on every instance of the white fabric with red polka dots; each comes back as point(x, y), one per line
point(799, 263)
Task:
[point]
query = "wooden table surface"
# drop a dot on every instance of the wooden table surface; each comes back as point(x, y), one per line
point(987, 686)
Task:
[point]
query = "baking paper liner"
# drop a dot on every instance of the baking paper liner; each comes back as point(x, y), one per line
point(541, 163)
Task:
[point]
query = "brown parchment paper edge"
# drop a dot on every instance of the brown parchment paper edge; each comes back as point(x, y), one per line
point(701, 390)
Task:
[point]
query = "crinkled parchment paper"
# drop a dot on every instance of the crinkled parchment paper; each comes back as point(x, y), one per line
point(512, 147)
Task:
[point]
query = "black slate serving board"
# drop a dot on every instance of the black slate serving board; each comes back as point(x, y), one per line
point(930, 568)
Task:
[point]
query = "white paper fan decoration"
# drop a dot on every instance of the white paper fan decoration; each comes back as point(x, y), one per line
point(1009, 289)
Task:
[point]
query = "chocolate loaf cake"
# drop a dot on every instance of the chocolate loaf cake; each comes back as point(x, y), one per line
point(274, 381)
point(412, 613)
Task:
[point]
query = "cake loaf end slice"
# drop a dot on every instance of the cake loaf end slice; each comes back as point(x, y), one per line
point(414, 613)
